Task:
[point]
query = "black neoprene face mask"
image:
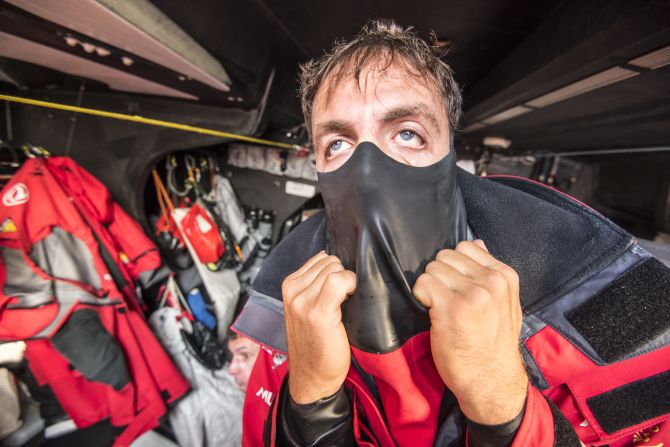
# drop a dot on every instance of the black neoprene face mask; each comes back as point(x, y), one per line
point(386, 221)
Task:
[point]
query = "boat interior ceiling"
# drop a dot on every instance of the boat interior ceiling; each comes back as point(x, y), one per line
point(554, 77)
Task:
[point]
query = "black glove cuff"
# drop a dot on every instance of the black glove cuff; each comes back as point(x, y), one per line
point(327, 421)
point(499, 435)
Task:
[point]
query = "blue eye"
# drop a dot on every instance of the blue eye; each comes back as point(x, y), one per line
point(336, 145)
point(339, 146)
point(409, 139)
point(407, 135)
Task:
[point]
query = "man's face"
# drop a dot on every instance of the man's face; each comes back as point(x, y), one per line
point(244, 352)
point(400, 113)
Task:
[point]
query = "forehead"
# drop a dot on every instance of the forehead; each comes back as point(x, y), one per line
point(241, 343)
point(379, 83)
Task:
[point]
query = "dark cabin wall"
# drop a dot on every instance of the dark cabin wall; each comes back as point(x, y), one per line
point(633, 190)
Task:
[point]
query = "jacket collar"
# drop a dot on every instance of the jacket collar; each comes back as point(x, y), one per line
point(552, 241)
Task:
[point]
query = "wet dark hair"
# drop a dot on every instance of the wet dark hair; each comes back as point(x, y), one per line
point(382, 42)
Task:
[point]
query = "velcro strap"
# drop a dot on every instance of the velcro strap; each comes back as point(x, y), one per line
point(633, 403)
point(633, 310)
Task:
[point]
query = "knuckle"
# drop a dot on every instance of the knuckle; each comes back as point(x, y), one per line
point(335, 268)
point(332, 280)
point(432, 267)
point(423, 283)
point(295, 306)
point(443, 254)
point(422, 280)
point(420, 283)
point(463, 245)
point(287, 288)
point(511, 274)
point(494, 277)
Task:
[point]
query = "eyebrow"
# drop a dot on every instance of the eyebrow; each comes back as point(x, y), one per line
point(336, 126)
point(411, 110)
point(333, 126)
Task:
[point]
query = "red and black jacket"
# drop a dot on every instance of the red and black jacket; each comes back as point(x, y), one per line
point(70, 262)
point(594, 339)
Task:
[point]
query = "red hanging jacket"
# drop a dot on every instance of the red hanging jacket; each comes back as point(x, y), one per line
point(74, 302)
point(135, 255)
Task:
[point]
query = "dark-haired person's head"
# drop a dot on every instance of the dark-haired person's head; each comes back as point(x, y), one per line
point(386, 86)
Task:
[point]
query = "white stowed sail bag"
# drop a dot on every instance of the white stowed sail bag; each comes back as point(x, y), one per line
point(211, 414)
point(223, 287)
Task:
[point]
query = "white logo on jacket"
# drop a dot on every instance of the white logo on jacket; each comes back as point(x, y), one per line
point(16, 195)
point(265, 395)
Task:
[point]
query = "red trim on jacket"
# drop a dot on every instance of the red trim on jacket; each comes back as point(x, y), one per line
point(573, 378)
point(571, 375)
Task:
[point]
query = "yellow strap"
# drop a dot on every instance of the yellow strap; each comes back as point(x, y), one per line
point(149, 121)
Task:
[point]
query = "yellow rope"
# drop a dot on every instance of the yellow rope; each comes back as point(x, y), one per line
point(149, 121)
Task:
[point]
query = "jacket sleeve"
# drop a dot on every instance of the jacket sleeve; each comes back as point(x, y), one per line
point(543, 425)
point(138, 254)
point(538, 424)
point(326, 422)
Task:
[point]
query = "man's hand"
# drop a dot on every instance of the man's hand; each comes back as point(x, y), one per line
point(475, 314)
point(318, 348)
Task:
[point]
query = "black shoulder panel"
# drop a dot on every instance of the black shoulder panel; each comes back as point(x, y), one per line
point(306, 240)
point(552, 241)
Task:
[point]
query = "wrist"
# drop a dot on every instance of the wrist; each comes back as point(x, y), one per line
point(304, 391)
point(499, 405)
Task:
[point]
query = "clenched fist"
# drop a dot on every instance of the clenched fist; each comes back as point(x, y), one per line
point(318, 347)
point(475, 313)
